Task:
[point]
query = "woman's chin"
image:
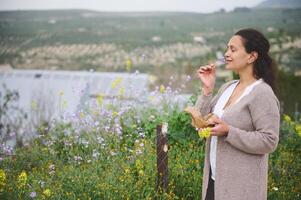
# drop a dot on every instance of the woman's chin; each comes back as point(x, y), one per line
point(228, 66)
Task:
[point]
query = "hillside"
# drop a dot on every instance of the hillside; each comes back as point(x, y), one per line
point(280, 4)
point(162, 43)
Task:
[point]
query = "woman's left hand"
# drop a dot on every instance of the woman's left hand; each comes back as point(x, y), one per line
point(221, 128)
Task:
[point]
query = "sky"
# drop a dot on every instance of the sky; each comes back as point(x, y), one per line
point(204, 6)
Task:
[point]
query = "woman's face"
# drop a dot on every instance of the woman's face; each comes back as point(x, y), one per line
point(236, 56)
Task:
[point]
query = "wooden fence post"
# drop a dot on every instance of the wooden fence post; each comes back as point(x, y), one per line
point(162, 157)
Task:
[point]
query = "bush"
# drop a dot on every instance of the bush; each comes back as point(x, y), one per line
point(284, 163)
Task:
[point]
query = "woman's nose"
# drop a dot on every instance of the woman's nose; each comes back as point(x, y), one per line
point(226, 54)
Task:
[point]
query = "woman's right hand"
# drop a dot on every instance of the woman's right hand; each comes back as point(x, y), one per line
point(207, 76)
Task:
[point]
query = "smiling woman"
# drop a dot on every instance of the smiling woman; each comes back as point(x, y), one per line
point(246, 118)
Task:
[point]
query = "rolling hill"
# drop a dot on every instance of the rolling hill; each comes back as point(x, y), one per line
point(280, 4)
point(104, 41)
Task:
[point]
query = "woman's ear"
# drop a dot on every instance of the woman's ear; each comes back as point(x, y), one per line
point(253, 57)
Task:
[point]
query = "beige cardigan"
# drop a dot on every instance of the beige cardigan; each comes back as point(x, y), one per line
point(242, 155)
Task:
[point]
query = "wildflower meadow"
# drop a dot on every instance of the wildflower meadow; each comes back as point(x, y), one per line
point(108, 151)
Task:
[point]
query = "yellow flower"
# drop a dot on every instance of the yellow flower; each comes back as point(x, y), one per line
point(128, 65)
point(2, 180)
point(116, 82)
point(34, 105)
point(81, 115)
point(47, 192)
point(298, 129)
point(121, 91)
point(287, 118)
point(138, 164)
point(99, 99)
point(61, 93)
point(22, 179)
point(121, 179)
point(204, 133)
point(162, 88)
point(141, 172)
point(127, 171)
point(65, 104)
point(115, 114)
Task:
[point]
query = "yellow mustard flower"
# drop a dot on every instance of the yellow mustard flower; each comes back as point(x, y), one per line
point(128, 64)
point(99, 99)
point(204, 133)
point(138, 164)
point(115, 114)
point(121, 91)
point(298, 129)
point(34, 105)
point(121, 179)
point(65, 104)
point(47, 192)
point(141, 172)
point(116, 82)
point(2, 179)
point(127, 171)
point(162, 88)
point(287, 118)
point(81, 115)
point(22, 179)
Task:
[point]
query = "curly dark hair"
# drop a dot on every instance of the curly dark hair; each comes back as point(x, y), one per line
point(264, 66)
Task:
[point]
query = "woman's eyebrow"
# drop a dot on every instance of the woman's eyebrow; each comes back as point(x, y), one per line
point(231, 46)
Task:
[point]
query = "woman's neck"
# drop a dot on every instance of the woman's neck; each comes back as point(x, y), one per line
point(246, 77)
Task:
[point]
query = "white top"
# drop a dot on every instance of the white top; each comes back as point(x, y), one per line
point(219, 110)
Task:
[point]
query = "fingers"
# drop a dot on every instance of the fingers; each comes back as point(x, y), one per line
point(215, 131)
point(214, 120)
point(206, 68)
point(220, 129)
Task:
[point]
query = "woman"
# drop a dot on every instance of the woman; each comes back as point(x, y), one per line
point(246, 118)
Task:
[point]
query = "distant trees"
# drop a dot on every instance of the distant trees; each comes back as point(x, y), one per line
point(242, 9)
point(289, 94)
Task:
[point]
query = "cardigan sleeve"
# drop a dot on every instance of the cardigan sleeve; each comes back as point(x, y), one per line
point(206, 103)
point(265, 115)
point(203, 103)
